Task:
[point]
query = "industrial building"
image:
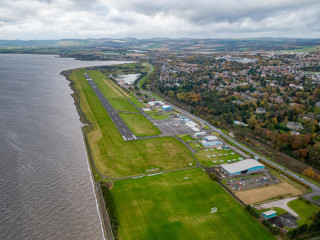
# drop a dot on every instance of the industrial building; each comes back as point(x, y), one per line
point(242, 167)
point(167, 108)
point(155, 104)
point(199, 134)
point(210, 138)
point(269, 214)
point(211, 143)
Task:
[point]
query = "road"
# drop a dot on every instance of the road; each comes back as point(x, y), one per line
point(311, 185)
point(118, 122)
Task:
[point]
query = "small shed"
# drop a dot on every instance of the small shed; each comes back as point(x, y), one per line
point(269, 214)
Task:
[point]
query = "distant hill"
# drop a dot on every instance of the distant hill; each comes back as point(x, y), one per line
point(175, 45)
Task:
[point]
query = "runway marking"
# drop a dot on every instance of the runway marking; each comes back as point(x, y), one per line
point(124, 138)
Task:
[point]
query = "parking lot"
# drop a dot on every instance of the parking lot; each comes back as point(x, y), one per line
point(171, 126)
point(251, 182)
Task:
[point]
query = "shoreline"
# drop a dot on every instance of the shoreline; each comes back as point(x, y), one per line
point(87, 126)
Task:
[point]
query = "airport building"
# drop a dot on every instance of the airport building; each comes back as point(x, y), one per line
point(167, 108)
point(243, 167)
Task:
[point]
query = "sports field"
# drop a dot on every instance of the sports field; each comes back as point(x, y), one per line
point(177, 205)
point(215, 156)
point(122, 105)
point(139, 125)
point(115, 157)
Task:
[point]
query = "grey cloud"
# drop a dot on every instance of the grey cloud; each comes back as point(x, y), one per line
point(161, 18)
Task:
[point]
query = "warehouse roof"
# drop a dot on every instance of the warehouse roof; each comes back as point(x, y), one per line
point(242, 166)
point(166, 106)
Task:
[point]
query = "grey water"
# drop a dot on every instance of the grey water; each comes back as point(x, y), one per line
point(46, 191)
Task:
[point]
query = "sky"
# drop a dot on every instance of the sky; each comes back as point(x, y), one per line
point(57, 19)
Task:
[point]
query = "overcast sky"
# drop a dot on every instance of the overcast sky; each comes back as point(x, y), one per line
point(56, 19)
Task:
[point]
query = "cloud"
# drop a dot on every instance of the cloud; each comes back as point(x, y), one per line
point(53, 19)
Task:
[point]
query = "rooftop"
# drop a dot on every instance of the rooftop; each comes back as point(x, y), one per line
point(242, 165)
point(270, 212)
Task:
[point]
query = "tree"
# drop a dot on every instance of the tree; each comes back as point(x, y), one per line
point(252, 122)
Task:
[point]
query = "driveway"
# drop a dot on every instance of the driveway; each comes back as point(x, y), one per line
point(281, 204)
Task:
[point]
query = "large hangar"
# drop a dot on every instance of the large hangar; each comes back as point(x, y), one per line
point(243, 167)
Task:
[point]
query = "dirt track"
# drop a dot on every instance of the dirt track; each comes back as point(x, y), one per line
point(263, 194)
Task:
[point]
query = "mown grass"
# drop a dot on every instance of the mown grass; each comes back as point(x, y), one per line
point(195, 145)
point(137, 103)
point(157, 116)
point(106, 86)
point(139, 125)
point(115, 157)
point(177, 205)
point(186, 138)
point(303, 209)
point(211, 157)
point(122, 105)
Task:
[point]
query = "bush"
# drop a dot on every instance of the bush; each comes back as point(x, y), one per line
point(252, 211)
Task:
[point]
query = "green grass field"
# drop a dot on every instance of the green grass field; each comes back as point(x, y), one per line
point(106, 86)
point(197, 145)
point(177, 206)
point(303, 209)
point(117, 158)
point(139, 125)
point(137, 103)
point(157, 116)
point(210, 157)
point(122, 105)
point(186, 138)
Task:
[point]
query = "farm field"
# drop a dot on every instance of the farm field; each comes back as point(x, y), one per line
point(139, 125)
point(210, 157)
point(177, 205)
point(122, 105)
point(269, 193)
point(111, 154)
point(303, 209)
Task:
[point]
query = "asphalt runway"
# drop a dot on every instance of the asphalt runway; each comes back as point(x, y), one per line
point(121, 126)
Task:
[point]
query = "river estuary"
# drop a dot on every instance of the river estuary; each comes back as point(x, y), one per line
point(46, 190)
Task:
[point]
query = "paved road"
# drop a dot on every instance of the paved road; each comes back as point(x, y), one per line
point(311, 185)
point(118, 122)
point(283, 203)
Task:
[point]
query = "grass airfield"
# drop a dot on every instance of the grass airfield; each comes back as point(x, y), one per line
point(177, 205)
point(173, 205)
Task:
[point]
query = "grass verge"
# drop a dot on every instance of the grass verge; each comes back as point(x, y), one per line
point(122, 105)
point(304, 209)
point(139, 125)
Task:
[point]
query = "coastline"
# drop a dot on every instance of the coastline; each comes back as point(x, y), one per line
point(101, 207)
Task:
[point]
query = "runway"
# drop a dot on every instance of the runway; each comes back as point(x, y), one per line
point(118, 122)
